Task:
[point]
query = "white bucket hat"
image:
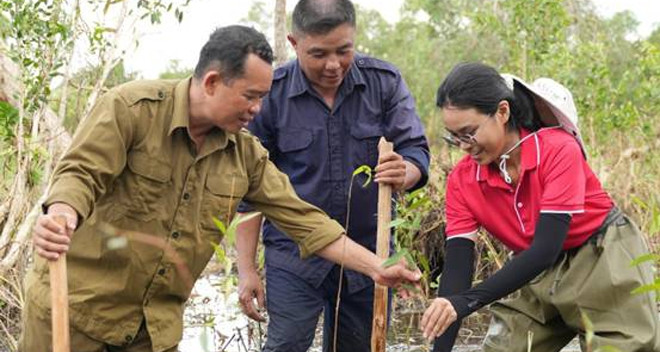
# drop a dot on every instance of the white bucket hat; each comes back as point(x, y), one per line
point(559, 101)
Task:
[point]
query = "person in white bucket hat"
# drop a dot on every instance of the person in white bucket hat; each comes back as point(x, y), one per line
point(526, 182)
point(554, 104)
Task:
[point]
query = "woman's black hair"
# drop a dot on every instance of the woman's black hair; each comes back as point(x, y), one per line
point(479, 86)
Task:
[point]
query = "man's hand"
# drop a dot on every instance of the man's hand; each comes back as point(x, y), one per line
point(397, 274)
point(249, 288)
point(49, 237)
point(391, 170)
point(437, 318)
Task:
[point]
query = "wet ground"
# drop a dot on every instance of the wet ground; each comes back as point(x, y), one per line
point(214, 323)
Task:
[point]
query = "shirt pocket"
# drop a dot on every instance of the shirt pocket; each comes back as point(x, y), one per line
point(146, 184)
point(365, 141)
point(294, 140)
point(222, 194)
point(300, 157)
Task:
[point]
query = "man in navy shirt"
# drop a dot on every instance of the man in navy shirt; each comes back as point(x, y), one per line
point(321, 120)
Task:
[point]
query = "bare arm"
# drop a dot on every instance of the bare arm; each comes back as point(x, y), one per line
point(361, 259)
point(249, 283)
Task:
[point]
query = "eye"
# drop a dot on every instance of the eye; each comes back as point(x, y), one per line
point(251, 98)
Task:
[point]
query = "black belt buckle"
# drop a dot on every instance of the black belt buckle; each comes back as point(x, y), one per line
point(614, 217)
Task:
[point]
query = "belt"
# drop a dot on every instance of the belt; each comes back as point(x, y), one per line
point(614, 216)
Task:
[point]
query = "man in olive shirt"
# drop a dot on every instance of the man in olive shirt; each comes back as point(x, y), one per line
point(144, 177)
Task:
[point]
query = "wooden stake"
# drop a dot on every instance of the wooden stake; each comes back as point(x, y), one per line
point(59, 301)
point(379, 323)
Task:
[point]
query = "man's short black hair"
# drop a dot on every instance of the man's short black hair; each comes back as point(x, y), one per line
point(321, 16)
point(228, 48)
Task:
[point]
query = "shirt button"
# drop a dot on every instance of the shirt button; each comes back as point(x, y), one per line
point(161, 95)
point(520, 204)
point(129, 338)
point(186, 196)
point(161, 271)
point(175, 234)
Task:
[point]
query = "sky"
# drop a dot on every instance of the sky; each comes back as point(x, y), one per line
point(174, 41)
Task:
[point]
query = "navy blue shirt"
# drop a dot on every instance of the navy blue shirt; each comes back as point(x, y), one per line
point(319, 148)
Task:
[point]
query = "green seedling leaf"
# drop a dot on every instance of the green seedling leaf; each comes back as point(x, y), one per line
point(395, 258)
point(220, 225)
point(219, 252)
point(410, 261)
point(424, 262)
point(588, 328)
point(645, 258)
point(363, 169)
point(655, 286)
point(397, 222)
point(607, 349)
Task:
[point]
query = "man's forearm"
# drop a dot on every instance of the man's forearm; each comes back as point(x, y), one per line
point(247, 239)
point(353, 256)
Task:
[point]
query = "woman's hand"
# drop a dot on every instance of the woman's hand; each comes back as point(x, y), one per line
point(437, 318)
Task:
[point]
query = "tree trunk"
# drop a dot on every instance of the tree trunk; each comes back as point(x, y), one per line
point(280, 32)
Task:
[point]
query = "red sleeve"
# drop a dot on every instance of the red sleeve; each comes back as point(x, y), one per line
point(460, 220)
point(563, 179)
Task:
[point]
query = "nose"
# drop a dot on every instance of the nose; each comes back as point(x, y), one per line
point(255, 108)
point(332, 63)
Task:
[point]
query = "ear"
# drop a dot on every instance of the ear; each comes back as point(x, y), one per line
point(503, 113)
point(292, 40)
point(210, 81)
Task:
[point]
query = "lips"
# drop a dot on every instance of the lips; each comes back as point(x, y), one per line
point(477, 155)
point(332, 78)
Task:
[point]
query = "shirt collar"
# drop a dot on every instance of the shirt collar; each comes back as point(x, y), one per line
point(216, 139)
point(530, 158)
point(300, 84)
point(180, 112)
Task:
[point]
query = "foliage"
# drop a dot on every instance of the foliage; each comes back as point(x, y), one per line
point(175, 71)
point(80, 87)
point(229, 235)
point(8, 119)
point(411, 210)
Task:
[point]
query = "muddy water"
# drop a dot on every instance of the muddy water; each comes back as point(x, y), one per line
point(213, 323)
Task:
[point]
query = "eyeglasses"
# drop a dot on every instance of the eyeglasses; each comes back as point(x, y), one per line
point(467, 138)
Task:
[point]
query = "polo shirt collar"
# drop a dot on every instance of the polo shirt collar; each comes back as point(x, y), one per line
point(530, 158)
point(300, 84)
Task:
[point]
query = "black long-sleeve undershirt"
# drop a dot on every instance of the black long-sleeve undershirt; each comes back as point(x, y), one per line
point(549, 236)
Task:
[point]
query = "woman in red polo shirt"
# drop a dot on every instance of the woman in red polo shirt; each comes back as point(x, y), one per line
point(530, 187)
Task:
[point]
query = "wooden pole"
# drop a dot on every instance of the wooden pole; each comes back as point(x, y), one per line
point(59, 301)
point(379, 323)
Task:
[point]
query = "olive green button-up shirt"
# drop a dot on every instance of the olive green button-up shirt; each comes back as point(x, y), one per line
point(147, 200)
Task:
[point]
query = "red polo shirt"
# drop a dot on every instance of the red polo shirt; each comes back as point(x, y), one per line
point(554, 178)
